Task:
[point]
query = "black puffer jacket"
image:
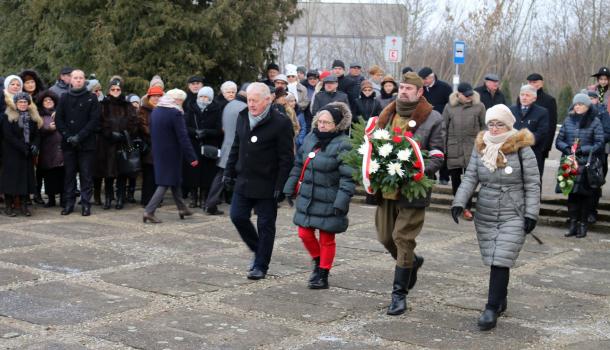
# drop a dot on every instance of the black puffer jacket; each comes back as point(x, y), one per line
point(366, 107)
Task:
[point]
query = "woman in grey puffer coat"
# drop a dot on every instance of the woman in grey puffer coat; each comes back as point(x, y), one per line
point(327, 186)
point(507, 204)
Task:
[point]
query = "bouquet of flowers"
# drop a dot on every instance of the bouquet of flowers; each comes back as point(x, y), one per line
point(389, 161)
point(568, 170)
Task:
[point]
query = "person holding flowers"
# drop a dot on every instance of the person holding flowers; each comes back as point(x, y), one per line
point(323, 185)
point(505, 166)
point(580, 135)
point(399, 217)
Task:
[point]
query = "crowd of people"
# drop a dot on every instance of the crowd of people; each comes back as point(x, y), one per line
point(258, 144)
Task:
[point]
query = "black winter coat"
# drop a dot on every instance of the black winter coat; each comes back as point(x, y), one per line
point(438, 95)
point(323, 98)
point(537, 121)
point(261, 158)
point(78, 113)
point(547, 101)
point(366, 107)
point(488, 100)
point(117, 115)
point(17, 177)
point(210, 121)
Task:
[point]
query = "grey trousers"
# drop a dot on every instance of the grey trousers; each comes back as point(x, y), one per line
point(157, 197)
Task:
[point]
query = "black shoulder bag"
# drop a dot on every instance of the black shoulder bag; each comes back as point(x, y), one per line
point(128, 158)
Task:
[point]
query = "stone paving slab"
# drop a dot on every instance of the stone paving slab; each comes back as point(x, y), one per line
point(8, 332)
point(216, 230)
point(571, 278)
point(318, 301)
point(593, 260)
point(163, 243)
point(589, 345)
point(536, 306)
point(335, 343)
point(60, 303)
point(177, 280)
point(69, 260)
point(54, 346)
point(75, 230)
point(453, 260)
point(14, 240)
point(8, 276)
point(438, 330)
point(188, 329)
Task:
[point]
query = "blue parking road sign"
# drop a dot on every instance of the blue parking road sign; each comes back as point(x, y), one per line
point(459, 52)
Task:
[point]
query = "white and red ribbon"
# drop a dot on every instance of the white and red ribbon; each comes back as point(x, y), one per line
point(366, 159)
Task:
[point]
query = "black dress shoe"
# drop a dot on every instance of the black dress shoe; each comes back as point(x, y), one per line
point(86, 210)
point(214, 212)
point(67, 210)
point(256, 274)
point(488, 320)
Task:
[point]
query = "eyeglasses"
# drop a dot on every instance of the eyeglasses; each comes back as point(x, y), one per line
point(495, 125)
point(115, 89)
point(324, 122)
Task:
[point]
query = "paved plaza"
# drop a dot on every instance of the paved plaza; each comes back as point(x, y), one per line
point(110, 282)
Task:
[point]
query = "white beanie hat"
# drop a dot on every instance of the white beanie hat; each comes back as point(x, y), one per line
point(291, 69)
point(176, 94)
point(500, 113)
point(206, 91)
point(10, 78)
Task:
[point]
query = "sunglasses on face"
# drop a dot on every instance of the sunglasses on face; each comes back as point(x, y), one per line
point(115, 89)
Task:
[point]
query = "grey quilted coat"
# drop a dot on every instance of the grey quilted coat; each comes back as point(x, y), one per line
point(327, 183)
point(504, 200)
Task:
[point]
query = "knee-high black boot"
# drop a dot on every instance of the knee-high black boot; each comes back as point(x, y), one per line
point(120, 192)
point(8, 203)
point(399, 291)
point(108, 187)
point(97, 191)
point(496, 299)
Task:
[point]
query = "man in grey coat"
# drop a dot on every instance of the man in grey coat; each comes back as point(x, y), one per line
point(398, 220)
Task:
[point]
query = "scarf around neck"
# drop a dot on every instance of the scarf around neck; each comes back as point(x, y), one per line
point(493, 144)
point(24, 123)
point(405, 109)
point(168, 102)
point(324, 138)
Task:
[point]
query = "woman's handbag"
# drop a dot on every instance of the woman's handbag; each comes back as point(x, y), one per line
point(128, 158)
point(594, 172)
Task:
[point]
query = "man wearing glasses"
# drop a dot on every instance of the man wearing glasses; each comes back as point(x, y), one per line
point(533, 117)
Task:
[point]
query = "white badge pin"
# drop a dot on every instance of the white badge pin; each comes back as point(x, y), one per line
point(312, 155)
point(254, 139)
point(508, 170)
point(412, 123)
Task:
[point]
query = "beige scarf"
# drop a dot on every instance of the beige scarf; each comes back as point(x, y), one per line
point(493, 144)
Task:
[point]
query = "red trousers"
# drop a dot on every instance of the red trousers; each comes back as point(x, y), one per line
point(325, 248)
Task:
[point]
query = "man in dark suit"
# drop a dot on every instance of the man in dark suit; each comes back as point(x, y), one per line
point(259, 163)
point(533, 117)
point(547, 101)
point(77, 117)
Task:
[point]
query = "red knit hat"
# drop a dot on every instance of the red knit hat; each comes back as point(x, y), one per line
point(155, 91)
point(324, 74)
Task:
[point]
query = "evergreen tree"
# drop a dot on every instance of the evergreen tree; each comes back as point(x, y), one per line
point(563, 102)
point(221, 39)
point(505, 89)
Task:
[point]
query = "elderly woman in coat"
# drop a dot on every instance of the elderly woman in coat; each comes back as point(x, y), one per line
point(20, 145)
point(170, 147)
point(507, 204)
point(326, 188)
point(583, 128)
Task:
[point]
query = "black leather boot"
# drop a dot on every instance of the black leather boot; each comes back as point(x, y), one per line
point(321, 282)
point(417, 263)
point(194, 199)
point(25, 210)
point(8, 209)
point(488, 319)
point(315, 272)
point(573, 228)
point(582, 230)
point(399, 291)
point(108, 195)
point(51, 203)
point(107, 203)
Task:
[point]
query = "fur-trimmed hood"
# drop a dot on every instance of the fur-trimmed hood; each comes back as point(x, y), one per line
point(523, 138)
point(420, 114)
point(454, 101)
point(13, 115)
point(345, 123)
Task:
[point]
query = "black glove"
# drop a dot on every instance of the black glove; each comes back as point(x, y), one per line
point(290, 201)
point(278, 196)
point(530, 225)
point(199, 134)
point(34, 150)
point(228, 183)
point(117, 136)
point(456, 212)
point(73, 140)
point(339, 212)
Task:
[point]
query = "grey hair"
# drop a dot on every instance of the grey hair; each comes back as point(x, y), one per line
point(259, 88)
point(228, 85)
